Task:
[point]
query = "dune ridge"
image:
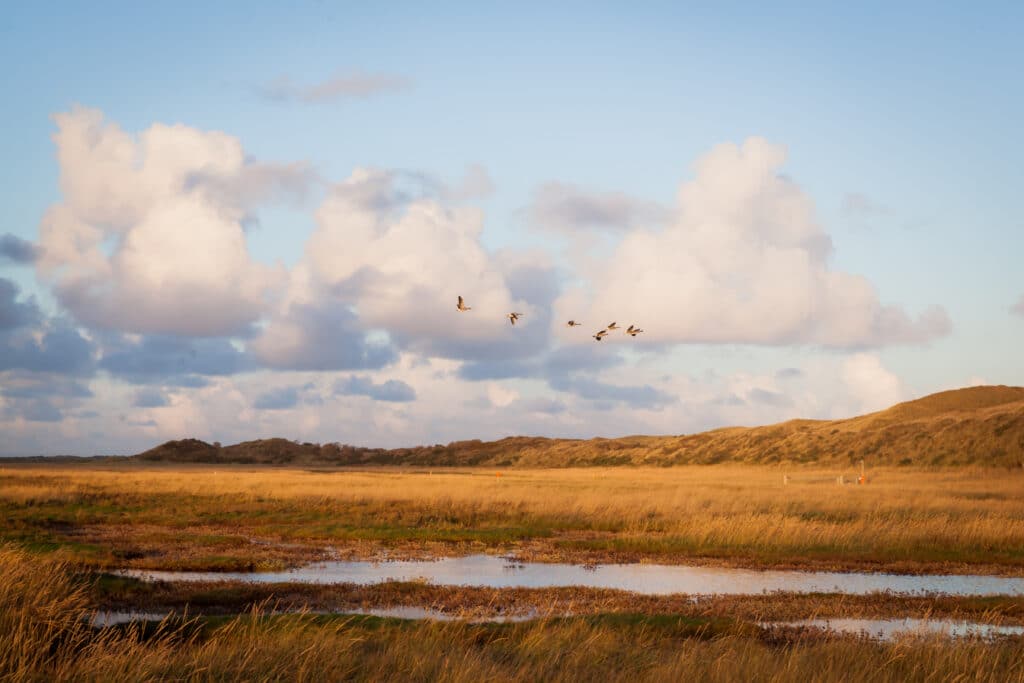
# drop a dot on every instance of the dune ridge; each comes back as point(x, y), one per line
point(981, 426)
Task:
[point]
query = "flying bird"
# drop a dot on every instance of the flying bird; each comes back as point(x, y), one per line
point(600, 335)
point(612, 326)
point(462, 305)
point(633, 331)
point(513, 317)
point(573, 323)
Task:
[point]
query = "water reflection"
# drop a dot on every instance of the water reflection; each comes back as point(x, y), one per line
point(426, 613)
point(104, 618)
point(111, 618)
point(889, 629)
point(651, 579)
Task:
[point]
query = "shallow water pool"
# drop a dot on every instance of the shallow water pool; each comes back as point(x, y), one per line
point(651, 579)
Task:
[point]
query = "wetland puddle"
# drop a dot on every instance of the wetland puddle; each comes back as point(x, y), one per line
point(876, 629)
point(651, 579)
point(890, 629)
point(104, 618)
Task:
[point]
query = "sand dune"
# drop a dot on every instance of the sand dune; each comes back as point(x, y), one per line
point(981, 426)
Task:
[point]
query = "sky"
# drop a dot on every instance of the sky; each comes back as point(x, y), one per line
point(253, 220)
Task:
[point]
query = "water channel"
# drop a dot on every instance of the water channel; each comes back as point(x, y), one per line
point(650, 579)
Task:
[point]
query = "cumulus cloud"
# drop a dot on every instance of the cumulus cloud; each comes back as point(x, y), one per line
point(172, 360)
point(544, 406)
point(789, 373)
point(771, 398)
point(38, 396)
point(567, 208)
point(475, 184)
point(339, 87)
point(15, 313)
point(744, 261)
point(42, 361)
point(148, 237)
point(634, 396)
point(392, 189)
point(150, 398)
point(500, 396)
point(34, 385)
point(58, 348)
point(397, 260)
point(31, 341)
point(13, 249)
point(277, 399)
point(244, 188)
point(870, 383)
point(319, 336)
point(557, 362)
point(40, 410)
point(392, 390)
point(148, 248)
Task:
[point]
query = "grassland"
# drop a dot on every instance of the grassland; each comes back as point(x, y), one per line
point(231, 517)
point(65, 522)
point(45, 635)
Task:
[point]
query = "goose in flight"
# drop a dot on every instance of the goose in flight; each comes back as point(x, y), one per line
point(600, 335)
point(633, 331)
point(612, 326)
point(573, 323)
point(513, 317)
point(462, 305)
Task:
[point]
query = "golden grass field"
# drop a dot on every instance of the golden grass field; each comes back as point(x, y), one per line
point(208, 517)
point(63, 522)
point(45, 635)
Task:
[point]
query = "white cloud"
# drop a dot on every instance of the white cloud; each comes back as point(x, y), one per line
point(399, 262)
point(564, 207)
point(448, 408)
point(476, 183)
point(500, 396)
point(148, 237)
point(744, 261)
point(870, 383)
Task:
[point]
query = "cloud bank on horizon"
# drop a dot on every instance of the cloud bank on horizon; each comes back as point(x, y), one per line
point(165, 325)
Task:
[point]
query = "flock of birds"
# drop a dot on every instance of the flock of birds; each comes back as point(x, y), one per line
point(632, 330)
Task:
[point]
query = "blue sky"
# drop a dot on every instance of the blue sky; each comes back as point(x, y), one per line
point(896, 126)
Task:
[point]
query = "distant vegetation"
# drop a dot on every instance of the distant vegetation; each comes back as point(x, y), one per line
point(976, 426)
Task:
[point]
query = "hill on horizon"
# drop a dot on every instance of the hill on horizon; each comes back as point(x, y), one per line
point(974, 426)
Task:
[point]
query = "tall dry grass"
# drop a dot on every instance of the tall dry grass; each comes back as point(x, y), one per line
point(901, 519)
point(43, 637)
